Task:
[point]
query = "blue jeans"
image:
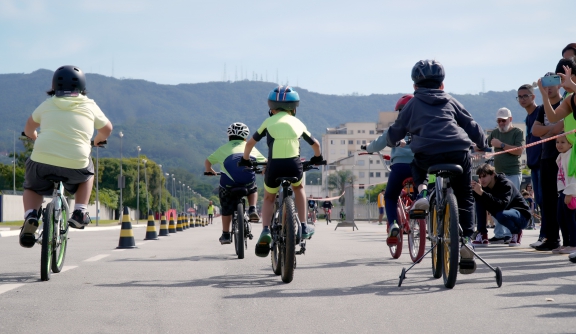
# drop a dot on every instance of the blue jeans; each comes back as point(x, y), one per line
point(500, 230)
point(512, 219)
point(398, 173)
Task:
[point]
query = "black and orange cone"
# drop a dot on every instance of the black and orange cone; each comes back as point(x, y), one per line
point(126, 234)
point(172, 226)
point(163, 226)
point(151, 228)
point(184, 221)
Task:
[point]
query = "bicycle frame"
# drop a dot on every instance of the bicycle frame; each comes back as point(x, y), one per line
point(58, 201)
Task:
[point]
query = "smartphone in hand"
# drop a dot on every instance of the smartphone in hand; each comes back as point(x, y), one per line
point(551, 80)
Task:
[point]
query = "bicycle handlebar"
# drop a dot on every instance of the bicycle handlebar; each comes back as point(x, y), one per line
point(100, 144)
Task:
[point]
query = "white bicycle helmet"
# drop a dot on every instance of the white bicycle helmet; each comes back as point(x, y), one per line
point(238, 129)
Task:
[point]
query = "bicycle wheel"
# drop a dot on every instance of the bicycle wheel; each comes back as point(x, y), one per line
point(276, 252)
point(417, 238)
point(289, 232)
point(47, 238)
point(396, 250)
point(433, 233)
point(450, 253)
point(61, 241)
point(239, 231)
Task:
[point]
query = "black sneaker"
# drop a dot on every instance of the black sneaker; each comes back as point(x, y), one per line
point(547, 246)
point(79, 219)
point(226, 238)
point(27, 237)
point(253, 214)
point(496, 240)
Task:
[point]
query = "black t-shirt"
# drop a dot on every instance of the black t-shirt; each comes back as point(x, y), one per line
point(311, 203)
point(549, 150)
point(533, 153)
point(327, 205)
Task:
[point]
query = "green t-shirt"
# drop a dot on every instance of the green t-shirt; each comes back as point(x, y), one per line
point(211, 209)
point(507, 163)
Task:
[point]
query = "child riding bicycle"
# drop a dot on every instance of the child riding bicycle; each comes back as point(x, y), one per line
point(282, 131)
point(442, 132)
point(62, 150)
point(327, 206)
point(400, 159)
point(233, 176)
point(312, 209)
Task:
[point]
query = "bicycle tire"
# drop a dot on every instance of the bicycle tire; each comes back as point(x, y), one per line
point(396, 250)
point(436, 253)
point(417, 238)
point(450, 242)
point(59, 252)
point(47, 237)
point(239, 231)
point(289, 234)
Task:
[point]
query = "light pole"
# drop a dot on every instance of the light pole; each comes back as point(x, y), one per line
point(180, 194)
point(183, 197)
point(138, 183)
point(189, 198)
point(160, 200)
point(173, 192)
point(146, 181)
point(121, 181)
point(318, 182)
point(14, 164)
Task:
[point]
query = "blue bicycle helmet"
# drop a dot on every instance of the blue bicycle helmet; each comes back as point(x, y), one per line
point(426, 71)
point(283, 98)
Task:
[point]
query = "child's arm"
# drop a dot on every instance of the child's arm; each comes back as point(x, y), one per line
point(248, 148)
point(103, 133)
point(208, 167)
point(316, 148)
point(30, 128)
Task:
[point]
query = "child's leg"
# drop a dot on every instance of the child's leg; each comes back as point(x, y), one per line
point(32, 201)
point(563, 216)
point(226, 220)
point(252, 198)
point(300, 196)
point(83, 193)
point(267, 207)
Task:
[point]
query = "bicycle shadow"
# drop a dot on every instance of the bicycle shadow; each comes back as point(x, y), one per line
point(569, 313)
point(20, 277)
point(196, 258)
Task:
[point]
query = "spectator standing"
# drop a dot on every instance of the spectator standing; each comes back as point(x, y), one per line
point(566, 199)
point(381, 206)
point(544, 128)
point(503, 138)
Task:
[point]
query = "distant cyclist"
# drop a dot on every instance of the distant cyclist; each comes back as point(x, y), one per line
point(210, 212)
point(233, 176)
point(327, 206)
point(400, 159)
point(282, 131)
point(67, 119)
point(312, 208)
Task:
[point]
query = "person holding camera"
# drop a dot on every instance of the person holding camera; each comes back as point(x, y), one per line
point(495, 193)
point(544, 128)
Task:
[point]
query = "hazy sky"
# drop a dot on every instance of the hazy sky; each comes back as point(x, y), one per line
point(332, 47)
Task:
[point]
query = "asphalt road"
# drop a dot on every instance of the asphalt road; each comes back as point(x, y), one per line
point(346, 283)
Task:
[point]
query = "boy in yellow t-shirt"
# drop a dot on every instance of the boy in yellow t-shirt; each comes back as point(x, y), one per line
point(67, 120)
point(381, 206)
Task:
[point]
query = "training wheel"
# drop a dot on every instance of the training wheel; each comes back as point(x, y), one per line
point(402, 277)
point(498, 276)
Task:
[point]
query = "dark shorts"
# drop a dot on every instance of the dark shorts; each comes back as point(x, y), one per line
point(291, 167)
point(38, 177)
point(381, 210)
point(228, 202)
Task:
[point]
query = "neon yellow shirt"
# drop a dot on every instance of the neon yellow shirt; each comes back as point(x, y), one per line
point(210, 209)
point(283, 132)
point(66, 128)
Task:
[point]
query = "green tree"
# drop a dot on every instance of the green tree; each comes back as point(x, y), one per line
point(338, 180)
point(372, 192)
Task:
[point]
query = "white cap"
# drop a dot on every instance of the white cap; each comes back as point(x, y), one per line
point(503, 113)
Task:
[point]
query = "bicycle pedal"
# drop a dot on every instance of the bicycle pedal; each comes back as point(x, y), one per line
point(418, 214)
point(392, 241)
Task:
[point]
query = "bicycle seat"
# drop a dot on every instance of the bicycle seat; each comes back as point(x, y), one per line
point(239, 191)
point(289, 179)
point(55, 178)
point(451, 168)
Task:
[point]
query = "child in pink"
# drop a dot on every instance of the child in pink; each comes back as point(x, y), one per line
point(566, 199)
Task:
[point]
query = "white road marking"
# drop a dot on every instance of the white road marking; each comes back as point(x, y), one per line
point(96, 258)
point(66, 268)
point(118, 250)
point(8, 287)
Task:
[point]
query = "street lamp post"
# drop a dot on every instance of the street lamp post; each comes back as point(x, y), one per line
point(179, 195)
point(138, 183)
point(121, 181)
point(183, 197)
point(160, 200)
point(146, 182)
point(318, 183)
point(14, 164)
point(173, 192)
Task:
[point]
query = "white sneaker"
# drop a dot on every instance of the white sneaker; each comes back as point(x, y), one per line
point(421, 204)
point(537, 243)
point(467, 264)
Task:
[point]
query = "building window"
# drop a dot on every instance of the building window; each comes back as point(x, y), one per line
point(331, 142)
point(371, 161)
point(377, 174)
point(371, 132)
point(343, 142)
point(361, 186)
point(351, 142)
point(360, 162)
point(351, 132)
point(371, 174)
point(331, 167)
point(358, 142)
point(386, 174)
point(332, 152)
point(361, 175)
point(342, 152)
point(364, 142)
point(350, 153)
point(359, 131)
point(377, 161)
point(363, 131)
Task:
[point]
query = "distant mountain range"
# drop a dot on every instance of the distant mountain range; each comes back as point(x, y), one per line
point(180, 125)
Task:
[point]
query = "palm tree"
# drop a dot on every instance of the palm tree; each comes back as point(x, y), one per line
point(338, 181)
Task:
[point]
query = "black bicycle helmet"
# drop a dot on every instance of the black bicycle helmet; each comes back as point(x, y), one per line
point(427, 70)
point(68, 80)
